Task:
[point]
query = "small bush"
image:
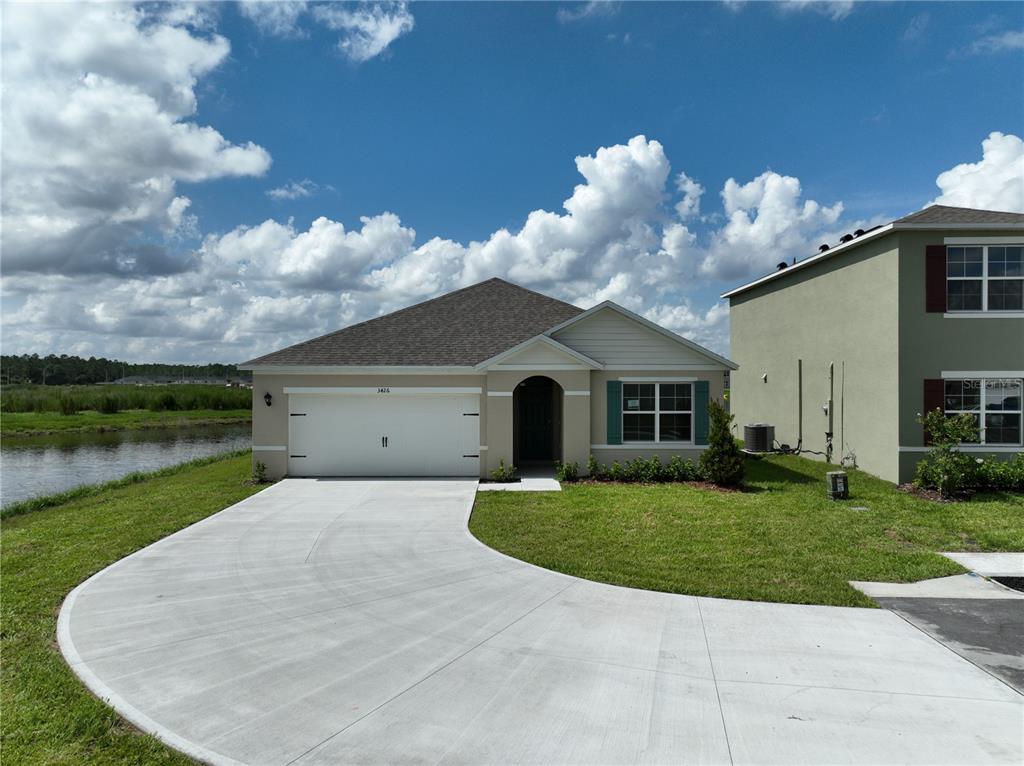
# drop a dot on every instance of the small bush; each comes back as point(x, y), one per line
point(946, 469)
point(642, 470)
point(259, 473)
point(567, 471)
point(722, 462)
point(504, 473)
point(109, 405)
point(679, 469)
point(68, 405)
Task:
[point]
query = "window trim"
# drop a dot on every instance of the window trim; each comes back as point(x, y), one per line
point(985, 278)
point(982, 410)
point(657, 411)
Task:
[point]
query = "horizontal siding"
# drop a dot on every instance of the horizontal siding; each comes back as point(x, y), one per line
point(540, 354)
point(611, 338)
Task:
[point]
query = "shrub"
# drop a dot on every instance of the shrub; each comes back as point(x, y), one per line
point(722, 462)
point(567, 471)
point(594, 469)
point(1000, 475)
point(109, 405)
point(504, 473)
point(642, 470)
point(947, 469)
point(68, 405)
point(259, 473)
point(678, 469)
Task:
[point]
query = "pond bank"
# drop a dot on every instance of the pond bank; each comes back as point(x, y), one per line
point(18, 424)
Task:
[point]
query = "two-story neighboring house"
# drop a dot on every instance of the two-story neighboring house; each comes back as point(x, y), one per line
point(843, 351)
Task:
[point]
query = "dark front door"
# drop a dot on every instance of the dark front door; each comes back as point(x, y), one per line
point(536, 419)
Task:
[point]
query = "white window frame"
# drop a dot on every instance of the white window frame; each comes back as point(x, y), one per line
point(657, 411)
point(982, 409)
point(984, 279)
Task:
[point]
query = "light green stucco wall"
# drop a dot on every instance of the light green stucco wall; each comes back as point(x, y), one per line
point(932, 343)
point(843, 309)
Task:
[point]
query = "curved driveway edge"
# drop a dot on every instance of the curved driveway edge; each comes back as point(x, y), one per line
point(358, 621)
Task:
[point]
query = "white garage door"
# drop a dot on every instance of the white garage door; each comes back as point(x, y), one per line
point(384, 432)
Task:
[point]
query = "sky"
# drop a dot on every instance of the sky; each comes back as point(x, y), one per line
point(211, 181)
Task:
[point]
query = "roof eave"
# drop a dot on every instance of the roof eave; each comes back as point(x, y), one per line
point(887, 229)
point(357, 369)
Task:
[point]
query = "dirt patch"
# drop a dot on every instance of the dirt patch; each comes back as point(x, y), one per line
point(933, 495)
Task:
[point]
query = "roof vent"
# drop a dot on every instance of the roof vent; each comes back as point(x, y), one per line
point(822, 248)
point(846, 238)
point(782, 265)
point(859, 233)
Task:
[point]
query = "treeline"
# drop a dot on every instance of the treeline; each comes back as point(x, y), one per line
point(110, 399)
point(62, 370)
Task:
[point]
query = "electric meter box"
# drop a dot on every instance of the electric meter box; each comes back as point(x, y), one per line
point(838, 488)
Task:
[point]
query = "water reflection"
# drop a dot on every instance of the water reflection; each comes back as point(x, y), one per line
point(41, 465)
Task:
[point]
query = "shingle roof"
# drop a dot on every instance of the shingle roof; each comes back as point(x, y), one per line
point(458, 329)
point(947, 214)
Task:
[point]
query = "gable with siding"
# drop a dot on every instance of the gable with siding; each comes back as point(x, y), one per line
point(619, 342)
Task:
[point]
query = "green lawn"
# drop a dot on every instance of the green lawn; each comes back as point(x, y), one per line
point(48, 715)
point(781, 541)
point(29, 423)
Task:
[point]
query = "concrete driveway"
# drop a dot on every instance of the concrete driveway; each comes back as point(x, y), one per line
point(324, 622)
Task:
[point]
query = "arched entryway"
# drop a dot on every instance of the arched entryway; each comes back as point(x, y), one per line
point(537, 422)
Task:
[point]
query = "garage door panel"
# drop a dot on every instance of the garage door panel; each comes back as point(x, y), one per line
point(384, 435)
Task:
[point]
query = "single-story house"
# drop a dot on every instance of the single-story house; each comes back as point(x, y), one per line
point(843, 351)
point(492, 372)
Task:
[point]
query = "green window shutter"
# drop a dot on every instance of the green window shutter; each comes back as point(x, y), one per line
point(614, 412)
point(700, 412)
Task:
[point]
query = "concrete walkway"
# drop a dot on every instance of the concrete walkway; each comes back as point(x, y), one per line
point(324, 622)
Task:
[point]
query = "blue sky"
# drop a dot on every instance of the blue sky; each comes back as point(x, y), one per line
point(461, 125)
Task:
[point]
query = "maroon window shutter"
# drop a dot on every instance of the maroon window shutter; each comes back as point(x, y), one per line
point(935, 278)
point(934, 399)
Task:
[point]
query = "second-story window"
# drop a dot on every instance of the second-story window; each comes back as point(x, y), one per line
point(985, 278)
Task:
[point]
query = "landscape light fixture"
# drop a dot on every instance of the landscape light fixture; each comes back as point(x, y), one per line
point(268, 398)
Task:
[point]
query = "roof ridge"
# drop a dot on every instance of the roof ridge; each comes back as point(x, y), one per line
point(398, 312)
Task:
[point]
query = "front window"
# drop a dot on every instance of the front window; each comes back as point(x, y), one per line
point(995, 404)
point(657, 412)
point(985, 278)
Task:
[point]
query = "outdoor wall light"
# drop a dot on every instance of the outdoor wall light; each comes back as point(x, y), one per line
point(268, 398)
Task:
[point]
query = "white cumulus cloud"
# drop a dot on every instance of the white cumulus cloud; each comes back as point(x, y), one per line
point(367, 29)
point(996, 182)
point(98, 101)
point(293, 190)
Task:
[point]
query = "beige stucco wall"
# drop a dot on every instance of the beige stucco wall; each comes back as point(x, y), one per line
point(843, 309)
point(582, 414)
point(933, 343)
point(575, 415)
point(270, 424)
point(608, 454)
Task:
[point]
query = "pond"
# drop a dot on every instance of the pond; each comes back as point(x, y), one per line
point(42, 465)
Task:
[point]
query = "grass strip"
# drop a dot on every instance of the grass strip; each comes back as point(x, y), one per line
point(49, 717)
point(91, 490)
point(782, 540)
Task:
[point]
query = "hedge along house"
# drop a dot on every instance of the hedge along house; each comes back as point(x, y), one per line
point(843, 351)
point(489, 373)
